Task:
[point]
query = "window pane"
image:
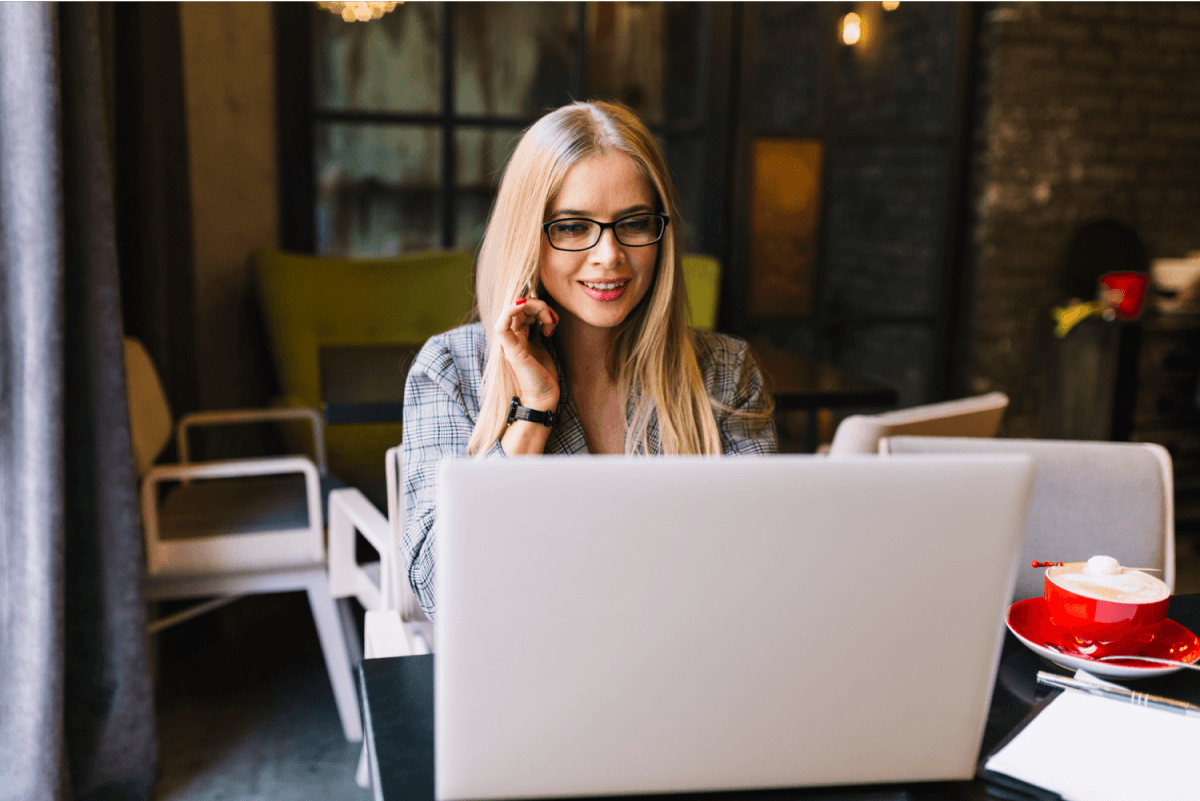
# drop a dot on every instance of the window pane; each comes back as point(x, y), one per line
point(884, 235)
point(647, 56)
point(785, 211)
point(481, 155)
point(685, 160)
point(377, 189)
point(390, 64)
point(900, 74)
point(791, 43)
point(513, 59)
point(687, 32)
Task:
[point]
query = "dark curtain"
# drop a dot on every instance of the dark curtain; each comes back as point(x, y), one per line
point(76, 711)
point(154, 218)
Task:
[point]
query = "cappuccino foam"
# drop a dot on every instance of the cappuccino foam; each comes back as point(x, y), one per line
point(1104, 579)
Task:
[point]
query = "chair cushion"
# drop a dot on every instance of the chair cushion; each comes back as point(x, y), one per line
point(149, 412)
point(244, 505)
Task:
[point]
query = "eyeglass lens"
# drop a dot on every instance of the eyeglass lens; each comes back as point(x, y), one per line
point(582, 234)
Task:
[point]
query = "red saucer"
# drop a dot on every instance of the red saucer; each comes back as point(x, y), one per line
point(1030, 622)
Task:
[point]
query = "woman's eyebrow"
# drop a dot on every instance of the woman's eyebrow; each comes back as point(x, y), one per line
point(620, 214)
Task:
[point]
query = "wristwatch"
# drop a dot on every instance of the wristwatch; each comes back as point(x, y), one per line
point(518, 412)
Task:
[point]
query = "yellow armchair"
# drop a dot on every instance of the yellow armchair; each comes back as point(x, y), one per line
point(312, 302)
point(702, 276)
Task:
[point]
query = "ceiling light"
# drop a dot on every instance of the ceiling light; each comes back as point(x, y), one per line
point(358, 10)
point(851, 28)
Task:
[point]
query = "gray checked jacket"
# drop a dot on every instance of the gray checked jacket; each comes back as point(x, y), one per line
point(441, 403)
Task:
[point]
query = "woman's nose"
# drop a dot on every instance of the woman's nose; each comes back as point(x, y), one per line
point(608, 249)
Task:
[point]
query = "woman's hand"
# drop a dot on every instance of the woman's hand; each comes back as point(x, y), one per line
point(532, 367)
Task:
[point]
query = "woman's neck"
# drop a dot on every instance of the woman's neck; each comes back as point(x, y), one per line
point(585, 352)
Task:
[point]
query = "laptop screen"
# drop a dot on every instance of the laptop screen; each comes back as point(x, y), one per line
point(618, 625)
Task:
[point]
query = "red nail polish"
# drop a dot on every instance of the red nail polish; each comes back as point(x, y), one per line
point(520, 301)
point(553, 316)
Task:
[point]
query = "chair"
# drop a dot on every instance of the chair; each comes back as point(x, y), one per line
point(312, 302)
point(395, 624)
point(978, 416)
point(232, 527)
point(702, 277)
point(1089, 498)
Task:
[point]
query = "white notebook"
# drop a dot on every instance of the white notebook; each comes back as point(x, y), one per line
point(1090, 748)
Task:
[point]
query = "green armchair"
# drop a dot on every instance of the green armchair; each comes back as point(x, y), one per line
point(312, 302)
point(702, 276)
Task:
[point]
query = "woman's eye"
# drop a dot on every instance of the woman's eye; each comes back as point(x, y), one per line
point(635, 224)
point(571, 229)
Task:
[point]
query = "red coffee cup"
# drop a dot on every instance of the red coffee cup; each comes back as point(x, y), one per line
point(1126, 292)
point(1099, 621)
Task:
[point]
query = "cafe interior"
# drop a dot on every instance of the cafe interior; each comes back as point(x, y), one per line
point(950, 219)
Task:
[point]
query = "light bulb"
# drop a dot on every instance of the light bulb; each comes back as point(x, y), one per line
point(851, 28)
point(358, 10)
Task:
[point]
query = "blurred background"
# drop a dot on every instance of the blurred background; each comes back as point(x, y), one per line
point(903, 206)
point(905, 190)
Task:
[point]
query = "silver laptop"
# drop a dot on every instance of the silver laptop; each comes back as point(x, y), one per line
point(610, 625)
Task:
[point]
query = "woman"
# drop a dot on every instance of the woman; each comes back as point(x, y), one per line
point(583, 344)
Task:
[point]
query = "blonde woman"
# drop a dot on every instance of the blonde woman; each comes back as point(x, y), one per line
point(582, 344)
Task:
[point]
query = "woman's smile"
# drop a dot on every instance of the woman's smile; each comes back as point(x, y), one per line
point(605, 291)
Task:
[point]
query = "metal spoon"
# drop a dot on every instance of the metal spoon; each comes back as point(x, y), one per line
point(1171, 662)
point(1114, 657)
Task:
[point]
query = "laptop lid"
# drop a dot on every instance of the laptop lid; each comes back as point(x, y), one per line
point(609, 625)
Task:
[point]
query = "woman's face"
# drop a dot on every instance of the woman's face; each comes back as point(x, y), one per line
point(599, 287)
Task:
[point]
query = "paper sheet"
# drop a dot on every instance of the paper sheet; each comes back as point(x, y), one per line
point(1087, 748)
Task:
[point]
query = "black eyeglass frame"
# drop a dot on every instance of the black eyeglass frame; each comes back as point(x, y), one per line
point(666, 220)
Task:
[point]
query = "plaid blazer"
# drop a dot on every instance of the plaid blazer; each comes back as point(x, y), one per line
point(442, 397)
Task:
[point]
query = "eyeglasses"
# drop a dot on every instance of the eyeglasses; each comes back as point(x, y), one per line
point(580, 233)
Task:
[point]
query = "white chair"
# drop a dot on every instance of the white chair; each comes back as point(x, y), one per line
point(1089, 498)
point(394, 624)
point(237, 526)
point(978, 416)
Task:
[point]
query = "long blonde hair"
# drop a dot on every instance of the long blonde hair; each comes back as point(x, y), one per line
point(654, 358)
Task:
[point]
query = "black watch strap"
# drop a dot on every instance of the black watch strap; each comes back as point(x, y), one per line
point(518, 412)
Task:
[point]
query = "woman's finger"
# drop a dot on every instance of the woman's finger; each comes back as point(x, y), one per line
point(518, 317)
point(543, 314)
point(532, 366)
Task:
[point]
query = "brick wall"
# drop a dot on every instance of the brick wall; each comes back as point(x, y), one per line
point(1088, 110)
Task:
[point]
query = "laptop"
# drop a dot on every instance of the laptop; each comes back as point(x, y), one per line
point(611, 625)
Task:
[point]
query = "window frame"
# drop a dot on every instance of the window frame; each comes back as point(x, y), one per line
point(298, 118)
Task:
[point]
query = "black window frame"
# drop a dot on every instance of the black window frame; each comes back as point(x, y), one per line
point(298, 117)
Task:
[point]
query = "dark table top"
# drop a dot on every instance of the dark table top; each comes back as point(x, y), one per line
point(365, 383)
point(398, 700)
point(801, 382)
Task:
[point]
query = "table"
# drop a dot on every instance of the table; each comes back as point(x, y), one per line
point(801, 382)
point(365, 383)
point(397, 698)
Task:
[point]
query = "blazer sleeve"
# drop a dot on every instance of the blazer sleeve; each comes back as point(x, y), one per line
point(747, 426)
point(437, 424)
